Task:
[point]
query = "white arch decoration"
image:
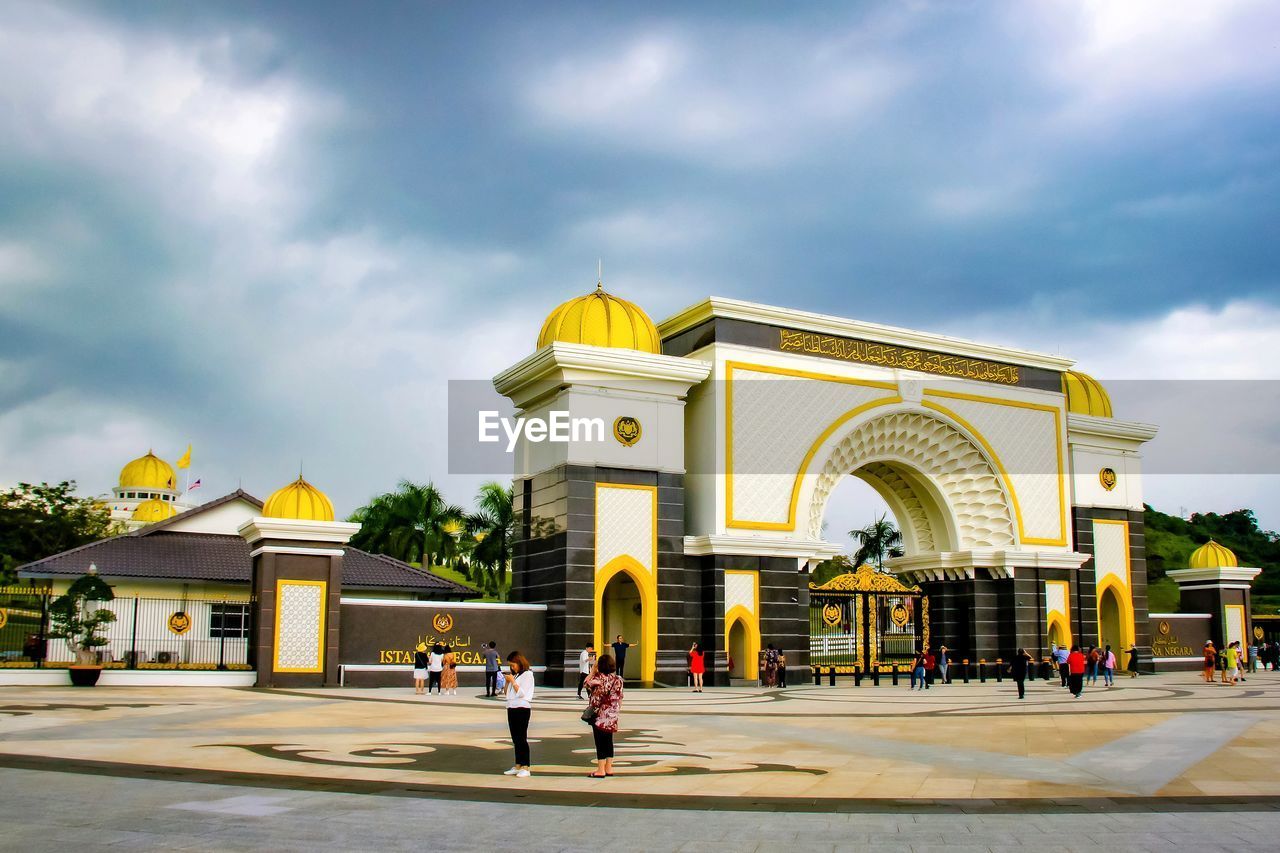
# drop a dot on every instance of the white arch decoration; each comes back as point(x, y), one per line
point(967, 482)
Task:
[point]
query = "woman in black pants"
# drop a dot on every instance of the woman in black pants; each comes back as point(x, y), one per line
point(519, 690)
point(606, 700)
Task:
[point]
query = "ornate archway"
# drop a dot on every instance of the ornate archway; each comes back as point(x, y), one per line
point(945, 492)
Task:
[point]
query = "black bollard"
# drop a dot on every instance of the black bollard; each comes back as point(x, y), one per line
point(875, 676)
point(817, 676)
point(857, 676)
point(982, 672)
point(964, 670)
point(831, 676)
point(895, 675)
point(999, 670)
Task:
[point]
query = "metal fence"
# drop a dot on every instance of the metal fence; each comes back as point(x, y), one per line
point(149, 633)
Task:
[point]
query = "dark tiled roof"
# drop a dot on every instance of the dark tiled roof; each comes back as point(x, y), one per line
point(215, 557)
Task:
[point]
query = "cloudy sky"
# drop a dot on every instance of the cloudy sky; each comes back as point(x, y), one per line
point(277, 230)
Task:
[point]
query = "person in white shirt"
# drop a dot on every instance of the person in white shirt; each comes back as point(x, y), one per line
point(519, 692)
point(435, 667)
point(586, 660)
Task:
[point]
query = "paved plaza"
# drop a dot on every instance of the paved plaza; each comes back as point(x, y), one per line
point(1152, 763)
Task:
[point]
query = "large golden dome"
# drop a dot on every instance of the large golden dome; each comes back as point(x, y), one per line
point(1211, 555)
point(300, 500)
point(152, 510)
point(600, 319)
point(148, 472)
point(1085, 395)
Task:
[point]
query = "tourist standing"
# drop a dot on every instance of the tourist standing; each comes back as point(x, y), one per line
point(943, 663)
point(929, 663)
point(586, 662)
point(435, 666)
point(606, 700)
point(1210, 661)
point(1231, 671)
point(620, 647)
point(1109, 667)
point(492, 666)
point(1075, 671)
point(449, 672)
point(1133, 660)
point(770, 666)
point(1251, 665)
point(1092, 660)
point(697, 666)
point(519, 691)
point(419, 668)
point(782, 668)
point(1060, 655)
point(918, 670)
point(1021, 660)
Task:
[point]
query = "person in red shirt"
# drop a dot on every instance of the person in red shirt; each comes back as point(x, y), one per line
point(1075, 671)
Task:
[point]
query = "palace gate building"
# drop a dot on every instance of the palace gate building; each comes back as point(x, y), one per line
point(700, 515)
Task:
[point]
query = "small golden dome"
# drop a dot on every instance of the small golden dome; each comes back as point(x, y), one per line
point(152, 510)
point(1085, 395)
point(148, 472)
point(601, 320)
point(299, 500)
point(1211, 555)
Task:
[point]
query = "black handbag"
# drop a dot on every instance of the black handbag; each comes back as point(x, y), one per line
point(589, 715)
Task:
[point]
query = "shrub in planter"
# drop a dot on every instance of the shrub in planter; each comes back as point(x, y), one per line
point(76, 618)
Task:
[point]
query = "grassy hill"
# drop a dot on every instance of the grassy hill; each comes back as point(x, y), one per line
point(1170, 541)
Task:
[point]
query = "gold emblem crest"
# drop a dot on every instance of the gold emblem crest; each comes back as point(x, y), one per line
point(831, 615)
point(1107, 476)
point(1258, 633)
point(899, 615)
point(4, 617)
point(1164, 628)
point(627, 430)
point(180, 623)
point(442, 622)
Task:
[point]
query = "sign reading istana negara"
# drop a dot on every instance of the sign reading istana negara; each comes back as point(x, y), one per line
point(889, 355)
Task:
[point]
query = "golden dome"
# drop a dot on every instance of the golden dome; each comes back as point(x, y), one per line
point(1211, 555)
point(300, 500)
point(148, 472)
point(152, 510)
point(601, 320)
point(1085, 395)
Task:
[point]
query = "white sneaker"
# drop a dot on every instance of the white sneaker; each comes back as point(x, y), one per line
point(512, 772)
point(523, 774)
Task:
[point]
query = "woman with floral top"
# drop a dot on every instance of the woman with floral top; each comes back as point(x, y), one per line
point(606, 699)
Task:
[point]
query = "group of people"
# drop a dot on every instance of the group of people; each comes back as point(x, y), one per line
point(437, 668)
point(773, 667)
point(1078, 667)
point(927, 668)
point(1230, 661)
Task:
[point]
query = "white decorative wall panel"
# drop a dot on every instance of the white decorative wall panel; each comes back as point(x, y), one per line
point(1111, 551)
point(1233, 624)
point(1026, 441)
point(1055, 597)
point(740, 590)
point(299, 626)
point(625, 524)
point(775, 420)
point(968, 483)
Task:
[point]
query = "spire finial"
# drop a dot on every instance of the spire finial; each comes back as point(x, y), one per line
point(599, 274)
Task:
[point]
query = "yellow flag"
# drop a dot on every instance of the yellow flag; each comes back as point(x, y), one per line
point(185, 461)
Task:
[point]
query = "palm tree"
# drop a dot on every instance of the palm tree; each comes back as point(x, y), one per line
point(876, 541)
point(414, 524)
point(493, 528)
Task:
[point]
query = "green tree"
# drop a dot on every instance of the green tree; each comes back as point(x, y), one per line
point(876, 541)
point(414, 524)
point(74, 618)
point(39, 521)
point(493, 529)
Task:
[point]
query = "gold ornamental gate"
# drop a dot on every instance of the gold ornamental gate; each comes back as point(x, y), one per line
point(865, 619)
